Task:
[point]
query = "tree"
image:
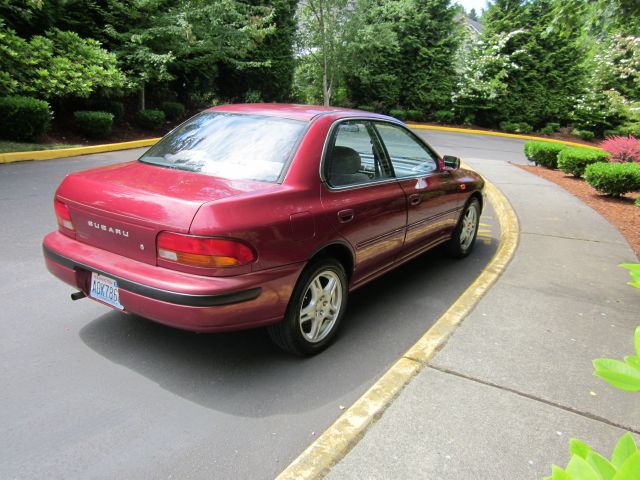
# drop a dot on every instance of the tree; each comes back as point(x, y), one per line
point(187, 41)
point(324, 28)
point(55, 65)
point(528, 66)
point(273, 78)
point(402, 53)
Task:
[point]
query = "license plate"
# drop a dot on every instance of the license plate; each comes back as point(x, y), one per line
point(105, 289)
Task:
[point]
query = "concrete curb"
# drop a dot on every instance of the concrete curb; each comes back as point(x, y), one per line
point(330, 447)
point(72, 152)
point(499, 134)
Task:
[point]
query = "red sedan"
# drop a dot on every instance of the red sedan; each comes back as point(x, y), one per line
point(260, 215)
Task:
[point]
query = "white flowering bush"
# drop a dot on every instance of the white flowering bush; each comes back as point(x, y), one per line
point(486, 71)
point(614, 89)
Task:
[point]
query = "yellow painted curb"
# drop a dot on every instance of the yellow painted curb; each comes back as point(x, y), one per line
point(499, 134)
point(330, 447)
point(72, 152)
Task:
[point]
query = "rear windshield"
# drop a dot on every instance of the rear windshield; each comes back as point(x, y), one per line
point(229, 145)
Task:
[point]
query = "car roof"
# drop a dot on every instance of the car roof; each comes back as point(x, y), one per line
point(293, 111)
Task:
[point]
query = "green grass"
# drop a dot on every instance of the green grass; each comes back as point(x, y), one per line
point(6, 146)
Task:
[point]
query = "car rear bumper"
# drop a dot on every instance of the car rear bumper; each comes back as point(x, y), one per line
point(182, 300)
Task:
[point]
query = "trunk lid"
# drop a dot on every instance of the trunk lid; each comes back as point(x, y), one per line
point(122, 208)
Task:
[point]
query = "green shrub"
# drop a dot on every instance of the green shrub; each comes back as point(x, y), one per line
point(398, 113)
point(634, 271)
point(515, 127)
point(415, 115)
point(444, 116)
point(509, 127)
point(543, 153)
point(93, 124)
point(469, 119)
point(612, 133)
point(614, 179)
point(367, 108)
point(632, 129)
point(173, 110)
point(637, 202)
point(584, 134)
point(253, 96)
point(587, 464)
point(116, 108)
point(150, 119)
point(24, 118)
point(575, 159)
point(550, 128)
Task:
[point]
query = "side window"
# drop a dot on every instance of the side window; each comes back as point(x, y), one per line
point(408, 156)
point(354, 157)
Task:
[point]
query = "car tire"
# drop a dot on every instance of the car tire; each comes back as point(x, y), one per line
point(316, 307)
point(464, 235)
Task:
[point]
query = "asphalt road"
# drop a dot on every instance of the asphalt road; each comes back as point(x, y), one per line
point(92, 393)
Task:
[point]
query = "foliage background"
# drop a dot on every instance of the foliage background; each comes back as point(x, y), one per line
point(536, 63)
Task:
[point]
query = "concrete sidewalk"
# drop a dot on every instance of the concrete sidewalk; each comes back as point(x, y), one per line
point(515, 381)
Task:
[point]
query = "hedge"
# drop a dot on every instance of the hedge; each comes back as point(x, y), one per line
point(444, 116)
point(543, 153)
point(516, 127)
point(415, 115)
point(632, 129)
point(150, 119)
point(614, 179)
point(24, 118)
point(93, 124)
point(173, 110)
point(398, 113)
point(584, 134)
point(575, 159)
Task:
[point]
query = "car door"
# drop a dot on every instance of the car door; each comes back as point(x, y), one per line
point(433, 198)
point(361, 198)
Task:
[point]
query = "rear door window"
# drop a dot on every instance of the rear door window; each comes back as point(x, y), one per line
point(355, 156)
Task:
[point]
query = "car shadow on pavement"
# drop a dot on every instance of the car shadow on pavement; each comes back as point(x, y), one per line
point(244, 374)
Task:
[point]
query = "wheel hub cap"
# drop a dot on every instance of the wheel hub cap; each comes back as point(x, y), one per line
point(321, 306)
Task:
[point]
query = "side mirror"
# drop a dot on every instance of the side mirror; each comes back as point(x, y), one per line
point(451, 162)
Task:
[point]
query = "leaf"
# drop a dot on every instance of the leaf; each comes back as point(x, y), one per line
point(632, 361)
point(581, 470)
point(601, 465)
point(558, 474)
point(581, 449)
point(634, 271)
point(625, 447)
point(630, 469)
point(618, 374)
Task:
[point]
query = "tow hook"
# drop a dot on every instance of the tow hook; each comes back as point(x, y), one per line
point(78, 295)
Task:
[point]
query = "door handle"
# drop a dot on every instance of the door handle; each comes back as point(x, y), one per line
point(345, 216)
point(415, 199)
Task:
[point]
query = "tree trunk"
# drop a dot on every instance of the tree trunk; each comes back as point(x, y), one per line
point(142, 98)
point(326, 90)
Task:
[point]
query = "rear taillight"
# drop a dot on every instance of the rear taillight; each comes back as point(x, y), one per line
point(205, 252)
point(63, 215)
